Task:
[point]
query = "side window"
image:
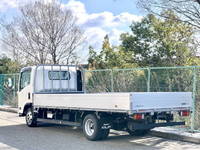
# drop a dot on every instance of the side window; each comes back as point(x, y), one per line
point(59, 75)
point(25, 79)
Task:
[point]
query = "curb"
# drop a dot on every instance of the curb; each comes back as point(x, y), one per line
point(173, 136)
point(9, 109)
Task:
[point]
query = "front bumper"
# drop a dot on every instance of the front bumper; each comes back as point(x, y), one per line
point(140, 126)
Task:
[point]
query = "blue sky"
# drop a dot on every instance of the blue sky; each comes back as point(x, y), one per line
point(96, 17)
point(114, 6)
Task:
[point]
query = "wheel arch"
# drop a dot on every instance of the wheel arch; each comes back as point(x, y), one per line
point(26, 107)
point(84, 114)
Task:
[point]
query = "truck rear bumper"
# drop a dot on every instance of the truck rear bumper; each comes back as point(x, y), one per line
point(139, 126)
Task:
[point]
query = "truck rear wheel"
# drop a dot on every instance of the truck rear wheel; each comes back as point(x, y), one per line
point(31, 119)
point(92, 128)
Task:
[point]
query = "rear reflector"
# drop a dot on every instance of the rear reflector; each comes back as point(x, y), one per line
point(138, 116)
point(185, 113)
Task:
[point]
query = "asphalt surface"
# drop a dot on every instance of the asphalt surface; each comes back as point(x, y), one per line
point(15, 135)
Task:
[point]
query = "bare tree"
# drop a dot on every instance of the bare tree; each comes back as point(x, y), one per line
point(43, 33)
point(188, 10)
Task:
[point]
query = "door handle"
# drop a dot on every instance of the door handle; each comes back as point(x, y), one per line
point(29, 95)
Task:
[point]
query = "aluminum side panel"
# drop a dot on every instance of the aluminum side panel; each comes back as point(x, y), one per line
point(104, 101)
point(160, 100)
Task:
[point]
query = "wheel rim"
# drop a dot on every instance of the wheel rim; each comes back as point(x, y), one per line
point(29, 117)
point(89, 127)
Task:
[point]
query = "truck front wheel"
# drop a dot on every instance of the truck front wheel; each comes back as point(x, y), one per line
point(92, 128)
point(31, 119)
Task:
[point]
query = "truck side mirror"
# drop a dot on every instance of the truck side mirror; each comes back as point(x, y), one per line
point(9, 83)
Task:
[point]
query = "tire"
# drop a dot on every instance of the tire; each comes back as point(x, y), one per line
point(104, 134)
point(138, 132)
point(92, 128)
point(31, 119)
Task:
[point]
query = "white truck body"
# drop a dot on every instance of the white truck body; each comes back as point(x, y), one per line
point(117, 102)
point(55, 94)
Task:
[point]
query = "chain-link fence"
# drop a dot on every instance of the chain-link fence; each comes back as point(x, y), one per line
point(155, 79)
point(8, 89)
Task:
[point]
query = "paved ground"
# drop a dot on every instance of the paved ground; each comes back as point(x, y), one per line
point(15, 135)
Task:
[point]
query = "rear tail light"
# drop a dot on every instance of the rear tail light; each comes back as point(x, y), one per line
point(185, 113)
point(138, 116)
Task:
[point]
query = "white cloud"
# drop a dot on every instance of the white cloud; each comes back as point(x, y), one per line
point(114, 35)
point(78, 8)
point(127, 18)
point(104, 19)
point(5, 4)
point(107, 19)
point(96, 25)
point(94, 36)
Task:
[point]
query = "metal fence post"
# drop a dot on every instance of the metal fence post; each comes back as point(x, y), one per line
point(1, 89)
point(148, 79)
point(14, 94)
point(112, 88)
point(193, 97)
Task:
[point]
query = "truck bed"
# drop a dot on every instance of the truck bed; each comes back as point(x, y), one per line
point(116, 102)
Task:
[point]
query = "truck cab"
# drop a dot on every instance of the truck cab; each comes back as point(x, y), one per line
point(47, 79)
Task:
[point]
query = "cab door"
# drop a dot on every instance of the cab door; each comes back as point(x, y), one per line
point(24, 91)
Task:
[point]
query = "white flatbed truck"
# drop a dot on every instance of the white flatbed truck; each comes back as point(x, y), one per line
point(55, 94)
